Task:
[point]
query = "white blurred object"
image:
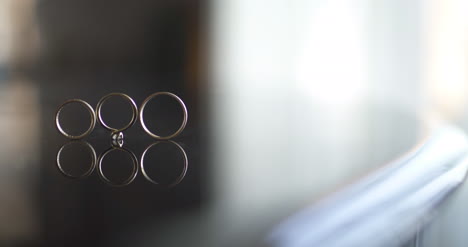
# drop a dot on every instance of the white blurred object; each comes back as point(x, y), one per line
point(446, 49)
point(392, 203)
point(329, 44)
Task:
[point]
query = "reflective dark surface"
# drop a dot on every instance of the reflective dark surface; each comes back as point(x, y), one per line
point(259, 146)
point(228, 198)
point(85, 53)
point(89, 212)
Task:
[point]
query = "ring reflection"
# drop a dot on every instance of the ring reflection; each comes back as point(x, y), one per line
point(111, 155)
point(128, 180)
point(182, 153)
point(68, 146)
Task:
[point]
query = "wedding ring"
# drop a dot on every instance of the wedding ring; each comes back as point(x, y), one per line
point(91, 113)
point(126, 97)
point(184, 121)
point(182, 174)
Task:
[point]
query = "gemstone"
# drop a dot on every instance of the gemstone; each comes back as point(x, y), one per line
point(117, 139)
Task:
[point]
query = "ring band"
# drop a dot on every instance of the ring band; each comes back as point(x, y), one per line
point(130, 178)
point(182, 126)
point(182, 174)
point(134, 111)
point(93, 162)
point(91, 113)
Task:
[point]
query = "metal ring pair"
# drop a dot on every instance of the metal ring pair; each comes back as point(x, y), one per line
point(98, 161)
point(135, 114)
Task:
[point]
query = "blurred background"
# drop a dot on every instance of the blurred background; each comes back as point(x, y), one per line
point(288, 100)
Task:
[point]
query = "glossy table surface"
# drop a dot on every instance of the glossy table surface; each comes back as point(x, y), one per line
point(263, 141)
point(234, 192)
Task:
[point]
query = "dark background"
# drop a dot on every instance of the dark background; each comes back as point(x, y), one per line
point(92, 48)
